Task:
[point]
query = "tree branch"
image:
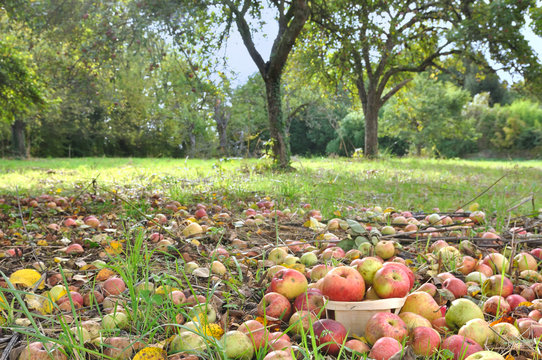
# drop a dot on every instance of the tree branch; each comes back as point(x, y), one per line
point(393, 91)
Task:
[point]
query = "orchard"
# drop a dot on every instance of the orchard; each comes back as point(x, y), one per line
point(95, 275)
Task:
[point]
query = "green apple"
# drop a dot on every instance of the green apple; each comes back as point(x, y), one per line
point(460, 312)
point(309, 259)
point(291, 259)
point(277, 255)
point(477, 330)
point(505, 332)
point(485, 355)
point(237, 345)
point(187, 341)
point(115, 320)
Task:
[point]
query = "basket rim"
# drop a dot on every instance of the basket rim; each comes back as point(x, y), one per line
point(367, 305)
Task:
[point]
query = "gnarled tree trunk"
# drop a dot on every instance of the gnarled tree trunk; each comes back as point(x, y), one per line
point(18, 142)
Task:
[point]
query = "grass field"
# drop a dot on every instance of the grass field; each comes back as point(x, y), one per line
point(414, 184)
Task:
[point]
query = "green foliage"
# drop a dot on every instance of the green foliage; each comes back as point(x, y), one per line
point(428, 115)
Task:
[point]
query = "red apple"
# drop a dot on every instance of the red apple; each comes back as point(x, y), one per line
point(413, 321)
point(385, 324)
point(498, 285)
point(279, 341)
point(429, 288)
point(275, 305)
point(456, 286)
point(460, 346)
point(344, 284)
point(390, 282)
point(403, 267)
point(496, 306)
point(514, 300)
point(329, 332)
point(440, 325)
point(357, 346)
point(484, 269)
point(312, 300)
point(289, 282)
point(319, 271)
point(255, 331)
point(384, 348)
point(536, 253)
point(279, 355)
point(424, 341)
point(468, 264)
point(333, 253)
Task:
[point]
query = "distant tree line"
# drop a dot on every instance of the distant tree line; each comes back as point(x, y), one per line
point(136, 78)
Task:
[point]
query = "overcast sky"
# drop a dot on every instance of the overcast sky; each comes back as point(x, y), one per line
point(241, 63)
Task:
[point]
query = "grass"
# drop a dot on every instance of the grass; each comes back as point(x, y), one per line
point(327, 184)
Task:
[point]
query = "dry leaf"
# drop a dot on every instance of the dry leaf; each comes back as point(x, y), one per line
point(39, 303)
point(26, 277)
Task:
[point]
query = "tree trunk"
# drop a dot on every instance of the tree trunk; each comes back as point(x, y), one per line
point(18, 139)
point(222, 119)
point(277, 126)
point(371, 130)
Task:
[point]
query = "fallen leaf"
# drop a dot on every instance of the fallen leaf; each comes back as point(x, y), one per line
point(26, 277)
point(39, 303)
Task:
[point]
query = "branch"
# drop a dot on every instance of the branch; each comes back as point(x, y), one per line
point(393, 91)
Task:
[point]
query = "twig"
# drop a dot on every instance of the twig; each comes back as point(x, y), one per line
point(483, 192)
point(10, 346)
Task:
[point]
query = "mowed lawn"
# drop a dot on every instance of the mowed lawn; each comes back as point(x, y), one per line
point(326, 183)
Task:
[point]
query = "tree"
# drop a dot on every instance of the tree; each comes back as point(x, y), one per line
point(291, 18)
point(377, 44)
point(19, 91)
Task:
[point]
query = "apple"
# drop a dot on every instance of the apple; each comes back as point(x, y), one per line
point(308, 259)
point(41, 351)
point(384, 348)
point(537, 253)
point(439, 324)
point(365, 248)
point(461, 311)
point(385, 324)
point(424, 340)
point(536, 315)
point(117, 320)
point(387, 230)
point(496, 306)
point(367, 267)
point(187, 341)
point(485, 355)
point(114, 286)
point(525, 261)
point(478, 217)
point(312, 300)
point(505, 332)
point(437, 245)
point(476, 277)
point(468, 263)
point(450, 256)
point(334, 252)
point(422, 303)
point(279, 341)
point(497, 262)
point(456, 286)
point(289, 282)
point(529, 328)
point(403, 267)
point(484, 269)
point(429, 288)
point(371, 294)
point(477, 330)
point(237, 345)
point(273, 270)
point(344, 284)
point(277, 255)
point(498, 285)
point(319, 271)
point(331, 333)
point(390, 282)
point(357, 346)
point(255, 331)
point(275, 305)
point(385, 249)
point(279, 355)
point(413, 321)
point(460, 346)
point(301, 321)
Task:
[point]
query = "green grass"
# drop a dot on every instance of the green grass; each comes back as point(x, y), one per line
point(413, 184)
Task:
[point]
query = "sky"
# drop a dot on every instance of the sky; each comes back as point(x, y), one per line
point(241, 63)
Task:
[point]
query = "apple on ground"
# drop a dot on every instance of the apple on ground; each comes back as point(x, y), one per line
point(319, 271)
point(279, 355)
point(385, 324)
point(485, 355)
point(384, 348)
point(385, 249)
point(505, 332)
point(498, 285)
point(301, 321)
point(344, 283)
point(309, 258)
point(255, 331)
point(391, 282)
point(275, 305)
point(479, 331)
point(461, 311)
point(525, 261)
point(413, 320)
point(312, 300)
point(331, 333)
point(422, 303)
point(476, 277)
point(496, 306)
point(424, 340)
point(403, 267)
point(429, 288)
point(497, 262)
point(440, 325)
point(333, 253)
point(529, 328)
point(277, 255)
point(456, 286)
point(289, 282)
point(279, 341)
point(468, 263)
point(357, 346)
point(460, 346)
point(237, 345)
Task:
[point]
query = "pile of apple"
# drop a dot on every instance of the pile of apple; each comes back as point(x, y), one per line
point(454, 312)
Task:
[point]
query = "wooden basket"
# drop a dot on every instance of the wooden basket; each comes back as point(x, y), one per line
point(354, 315)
